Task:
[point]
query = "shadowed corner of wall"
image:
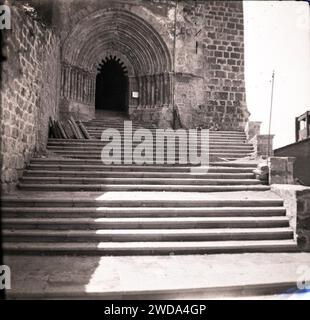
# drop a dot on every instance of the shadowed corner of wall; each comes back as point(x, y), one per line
point(2, 59)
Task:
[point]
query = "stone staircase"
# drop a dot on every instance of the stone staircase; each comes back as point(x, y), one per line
point(73, 204)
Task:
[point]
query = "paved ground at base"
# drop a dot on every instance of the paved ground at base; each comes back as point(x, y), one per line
point(190, 276)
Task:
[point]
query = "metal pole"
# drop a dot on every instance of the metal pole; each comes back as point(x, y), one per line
point(270, 115)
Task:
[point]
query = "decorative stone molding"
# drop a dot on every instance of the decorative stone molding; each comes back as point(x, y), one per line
point(112, 28)
point(154, 48)
point(77, 84)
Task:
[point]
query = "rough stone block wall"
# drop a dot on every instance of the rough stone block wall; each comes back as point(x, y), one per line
point(202, 49)
point(210, 46)
point(281, 170)
point(303, 220)
point(263, 145)
point(29, 92)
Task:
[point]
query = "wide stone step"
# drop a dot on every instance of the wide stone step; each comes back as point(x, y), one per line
point(212, 137)
point(93, 148)
point(163, 161)
point(95, 154)
point(136, 181)
point(102, 174)
point(120, 127)
point(141, 187)
point(131, 212)
point(164, 153)
point(128, 235)
point(100, 201)
point(97, 136)
point(99, 144)
point(230, 164)
point(89, 169)
point(144, 223)
point(116, 125)
point(161, 156)
point(119, 123)
point(198, 136)
point(149, 248)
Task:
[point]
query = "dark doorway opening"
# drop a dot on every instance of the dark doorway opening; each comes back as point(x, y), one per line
point(112, 86)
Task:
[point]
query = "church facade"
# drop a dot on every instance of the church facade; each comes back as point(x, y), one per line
point(164, 63)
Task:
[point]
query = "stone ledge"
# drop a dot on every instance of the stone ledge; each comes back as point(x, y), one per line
point(281, 170)
point(297, 203)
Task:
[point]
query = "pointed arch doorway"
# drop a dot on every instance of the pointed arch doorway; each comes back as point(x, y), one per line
point(115, 32)
point(112, 86)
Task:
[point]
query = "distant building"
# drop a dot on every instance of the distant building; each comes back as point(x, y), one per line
point(300, 149)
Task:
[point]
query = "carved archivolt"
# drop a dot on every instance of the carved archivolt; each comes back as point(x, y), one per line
point(124, 36)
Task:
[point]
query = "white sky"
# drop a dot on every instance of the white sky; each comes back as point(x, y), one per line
point(277, 37)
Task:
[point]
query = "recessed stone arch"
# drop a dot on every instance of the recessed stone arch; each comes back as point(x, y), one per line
point(112, 85)
point(125, 35)
point(122, 57)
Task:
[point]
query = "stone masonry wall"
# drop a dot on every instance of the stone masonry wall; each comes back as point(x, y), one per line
point(210, 50)
point(297, 203)
point(204, 41)
point(29, 94)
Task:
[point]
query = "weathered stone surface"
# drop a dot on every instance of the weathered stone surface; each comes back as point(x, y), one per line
point(252, 129)
point(297, 202)
point(190, 54)
point(262, 172)
point(301, 151)
point(184, 58)
point(281, 170)
point(30, 92)
point(263, 145)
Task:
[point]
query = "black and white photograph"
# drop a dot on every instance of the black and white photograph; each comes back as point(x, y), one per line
point(155, 150)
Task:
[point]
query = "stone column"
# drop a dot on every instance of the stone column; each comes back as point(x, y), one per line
point(156, 90)
point(78, 84)
point(166, 89)
point(74, 84)
point(81, 87)
point(151, 93)
point(68, 81)
point(141, 80)
point(140, 90)
point(145, 98)
point(171, 84)
point(149, 90)
point(161, 88)
point(63, 81)
point(93, 89)
point(132, 87)
point(84, 88)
